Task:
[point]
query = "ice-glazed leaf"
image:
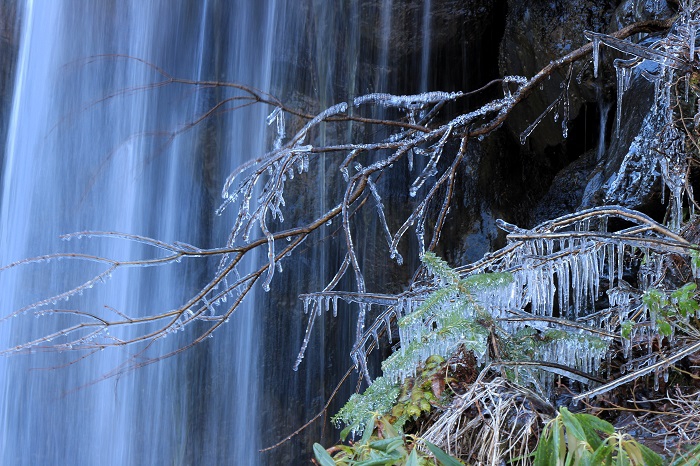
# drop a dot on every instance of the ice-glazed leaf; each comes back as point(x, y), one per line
point(439, 268)
point(664, 327)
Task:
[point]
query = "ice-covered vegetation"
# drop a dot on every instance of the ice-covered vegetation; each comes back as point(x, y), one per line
point(584, 304)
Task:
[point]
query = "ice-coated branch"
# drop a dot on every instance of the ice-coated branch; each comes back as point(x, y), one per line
point(418, 127)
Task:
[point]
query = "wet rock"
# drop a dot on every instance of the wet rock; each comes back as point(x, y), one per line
point(566, 191)
point(537, 33)
point(627, 173)
point(632, 11)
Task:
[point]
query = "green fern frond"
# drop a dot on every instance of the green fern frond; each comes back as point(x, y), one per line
point(439, 268)
point(379, 397)
point(486, 281)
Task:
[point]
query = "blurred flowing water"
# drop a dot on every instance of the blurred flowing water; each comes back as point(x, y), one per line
point(90, 146)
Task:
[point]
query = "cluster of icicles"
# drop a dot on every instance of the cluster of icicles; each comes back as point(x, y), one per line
point(569, 275)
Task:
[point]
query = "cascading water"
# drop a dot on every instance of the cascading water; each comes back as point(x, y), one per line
point(77, 160)
point(90, 148)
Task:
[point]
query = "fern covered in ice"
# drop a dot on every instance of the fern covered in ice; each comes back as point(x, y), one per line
point(361, 408)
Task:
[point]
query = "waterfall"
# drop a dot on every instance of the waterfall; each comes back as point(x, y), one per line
point(88, 150)
point(90, 146)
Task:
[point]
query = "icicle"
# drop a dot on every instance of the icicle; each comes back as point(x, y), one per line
point(620, 261)
point(565, 118)
point(525, 134)
point(387, 323)
point(272, 116)
point(596, 55)
point(692, 32)
point(656, 380)
point(307, 336)
point(271, 258)
point(620, 72)
point(611, 263)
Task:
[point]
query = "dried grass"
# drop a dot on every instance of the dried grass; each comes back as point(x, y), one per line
point(492, 422)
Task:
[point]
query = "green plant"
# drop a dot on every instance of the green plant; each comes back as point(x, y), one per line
point(420, 394)
point(406, 401)
point(690, 457)
point(583, 439)
point(668, 310)
point(377, 398)
point(448, 318)
point(384, 445)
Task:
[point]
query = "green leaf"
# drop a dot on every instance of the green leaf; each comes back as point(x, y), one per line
point(558, 441)
point(387, 444)
point(688, 458)
point(695, 256)
point(443, 458)
point(573, 427)
point(622, 460)
point(584, 458)
point(322, 456)
point(412, 459)
point(654, 299)
point(596, 423)
point(603, 454)
point(626, 329)
point(345, 432)
point(631, 447)
point(650, 457)
point(685, 292)
point(690, 287)
point(388, 430)
point(592, 437)
point(545, 454)
point(688, 307)
point(664, 327)
point(369, 428)
point(383, 460)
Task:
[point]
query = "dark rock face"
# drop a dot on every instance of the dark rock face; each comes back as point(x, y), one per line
point(537, 33)
point(574, 176)
point(631, 11)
